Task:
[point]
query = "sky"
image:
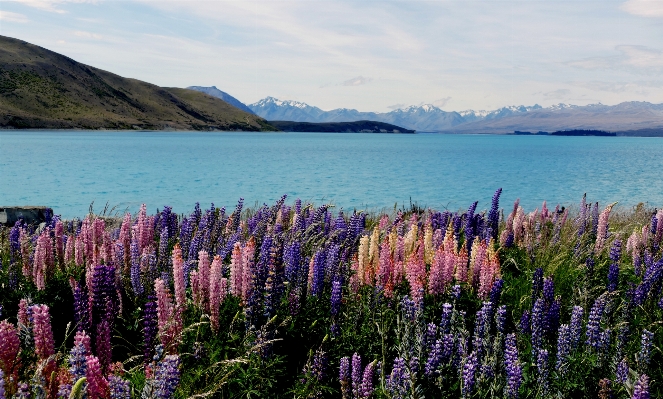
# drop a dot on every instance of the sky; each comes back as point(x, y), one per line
point(367, 55)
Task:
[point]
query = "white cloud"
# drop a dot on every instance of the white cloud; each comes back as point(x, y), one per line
point(51, 5)
point(8, 16)
point(441, 102)
point(638, 59)
point(644, 8)
point(87, 35)
point(396, 106)
point(358, 81)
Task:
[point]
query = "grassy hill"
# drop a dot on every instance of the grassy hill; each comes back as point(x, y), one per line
point(43, 89)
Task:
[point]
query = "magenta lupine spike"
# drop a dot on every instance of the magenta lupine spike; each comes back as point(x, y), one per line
point(22, 316)
point(178, 278)
point(125, 240)
point(217, 290)
point(41, 329)
point(43, 259)
point(80, 250)
point(602, 232)
point(81, 338)
point(10, 345)
point(461, 266)
point(59, 243)
point(97, 385)
point(399, 261)
point(69, 249)
point(248, 261)
point(204, 273)
point(236, 270)
point(385, 266)
point(416, 272)
point(168, 318)
point(436, 280)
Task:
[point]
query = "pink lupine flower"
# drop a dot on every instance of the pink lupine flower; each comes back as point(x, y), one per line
point(518, 224)
point(97, 385)
point(69, 249)
point(236, 270)
point(26, 250)
point(169, 320)
point(461, 260)
point(195, 288)
point(386, 263)
point(602, 232)
point(354, 283)
point(204, 273)
point(477, 262)
point(81, 338)
point(10, 345)
point(436, 281)
point(125, 240)
point(545, 214)
point(41, 329)
point(178, 277)
point(399, 261)
point(218, 287)
point(384, 222)
point(23, 318)
point(59, 243)
point(248, 254)
point(80, 250)
point(416, 272)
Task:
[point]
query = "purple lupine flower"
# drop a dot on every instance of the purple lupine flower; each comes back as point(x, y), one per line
point(543, 371)
point(469, 374)
point(496, 291)
point(356, 375)
point(445, 322)
point(409, 308)
point(613, 277)
point(318, 273)
point(167, 376)
point(537, 283)
point(616, 250)
point(434, 358)
point(367, 381)
point(548, 290)
point(319, 367)
point(344, 377)
point(641, 388)
point(150, 328)
point(494, 214)
point(2, 385)
point(455, 291)
point(77, 361)
point(551, 322)
point(524, 324)
point(119, 387)
point(135, 268)
point(336, 297)
point(563, 346)
point(644, 354)
point(103, 344)
point(399, 380)
point(500, 318)
point(660, 303)
point(593, 324)
point(575, 327)
point(509, 240)
point(431, 335)
point(23, 391)
point(595, 218)
point(448, 341)
point(81, 309)
point(537, 326)
point(605, 338)
point(621, 375)
point(292, 260)
point(469, 227)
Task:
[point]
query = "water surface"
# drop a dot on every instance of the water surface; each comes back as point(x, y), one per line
point(68, 170)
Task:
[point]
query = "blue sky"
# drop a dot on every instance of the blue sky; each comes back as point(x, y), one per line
point(367, 55)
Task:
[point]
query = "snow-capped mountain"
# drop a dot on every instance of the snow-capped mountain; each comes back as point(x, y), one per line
point(274, 109)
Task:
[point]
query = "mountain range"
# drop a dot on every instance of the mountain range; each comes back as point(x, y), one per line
point(627, 116)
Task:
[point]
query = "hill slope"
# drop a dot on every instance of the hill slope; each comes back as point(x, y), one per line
point(43, 89)
point(214, 92)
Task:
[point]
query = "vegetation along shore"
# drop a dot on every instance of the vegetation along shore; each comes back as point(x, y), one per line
point(293, 300)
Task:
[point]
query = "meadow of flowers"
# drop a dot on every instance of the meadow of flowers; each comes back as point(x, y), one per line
point(293, 300)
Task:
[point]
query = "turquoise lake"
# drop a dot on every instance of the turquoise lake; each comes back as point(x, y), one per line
point(69, 170)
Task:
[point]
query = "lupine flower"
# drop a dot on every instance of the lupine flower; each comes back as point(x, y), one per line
point(43, 335)
point(356, 375)
point(621, 375)
point(613, 277)
point(469, 374)
point(494, 214)
point(524, 324)
point(602, 228)
point(367, 381)
point(645, 349)
point(563, 346)
point(78, 361)
point(119, 387)
point(103, 345)
point(575, 327)
point(10, 345)
point(218, 287)
point(336, 297)
point(514, 371)
point(398, 381)
point(344, 377)
point(496, 291)
point(543, 370)
point(179, 278)
point(500, 318)
point(537, 283)
point(2, 385)
point(445, 322)
point(434, 358)
point(167, 376)
point(537, 326)
point(641, 388)
point(97, 385)
point(593, 325)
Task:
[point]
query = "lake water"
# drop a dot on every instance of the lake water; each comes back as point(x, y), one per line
point(68, 170)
